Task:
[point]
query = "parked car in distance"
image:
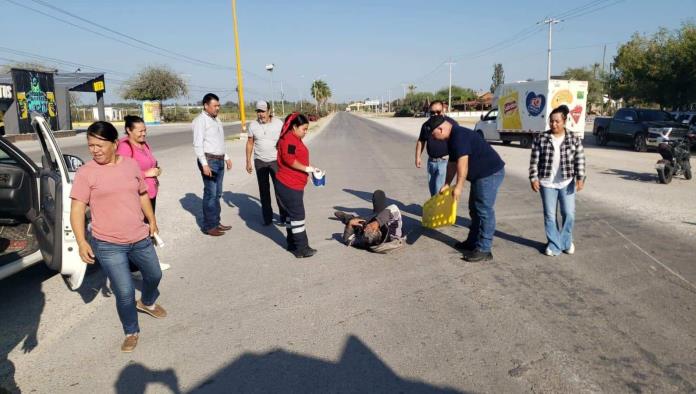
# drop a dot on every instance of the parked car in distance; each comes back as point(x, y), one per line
point(35, 208)
point(642, 128)
point(487, 126)
point(686, 118)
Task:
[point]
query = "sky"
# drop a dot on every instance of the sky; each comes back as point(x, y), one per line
point(362, 49)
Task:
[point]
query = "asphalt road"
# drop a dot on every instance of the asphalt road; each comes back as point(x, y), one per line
point(246, 316)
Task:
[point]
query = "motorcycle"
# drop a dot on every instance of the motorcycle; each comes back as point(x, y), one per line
point(676, 158)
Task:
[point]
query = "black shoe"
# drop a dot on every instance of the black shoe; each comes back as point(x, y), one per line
point(304, 252)
point(343, 216)
point(477, 256)
point(465, 246)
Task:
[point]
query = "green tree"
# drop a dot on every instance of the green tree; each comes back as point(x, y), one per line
point(459, 94)
point(498, 77)
point(595, 82)
point(155, 83)
point(321, 92)
point(657, 69)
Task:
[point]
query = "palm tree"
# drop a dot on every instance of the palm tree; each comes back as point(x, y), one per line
point(411, 88)
point(321, 92)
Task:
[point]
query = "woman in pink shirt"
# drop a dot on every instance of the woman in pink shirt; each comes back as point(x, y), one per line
point(113, 188)
point(135, 146)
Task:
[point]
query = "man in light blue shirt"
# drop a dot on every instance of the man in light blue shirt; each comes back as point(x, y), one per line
point(209, 145)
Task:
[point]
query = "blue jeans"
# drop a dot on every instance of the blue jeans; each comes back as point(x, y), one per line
point(212, 192)
point(437, 171)
point(482, 197)
point(559, 240)
point(114, 259)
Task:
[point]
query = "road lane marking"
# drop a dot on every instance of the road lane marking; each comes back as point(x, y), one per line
point(650, 256)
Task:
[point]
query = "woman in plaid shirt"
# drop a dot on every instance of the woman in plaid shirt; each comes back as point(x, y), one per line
point(557, 170)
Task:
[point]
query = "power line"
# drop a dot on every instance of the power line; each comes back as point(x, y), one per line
point(152, 48)
point(62, 11)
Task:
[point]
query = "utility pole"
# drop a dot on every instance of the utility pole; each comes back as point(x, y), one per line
point(388, 100)
point(550, 22)
point(282, 98)
point(240, 84)
point(604, 56)
point(449, 99)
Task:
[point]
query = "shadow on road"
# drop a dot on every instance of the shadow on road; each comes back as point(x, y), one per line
point(193, 205)
point(632, 176)
point(135, 378)
point(250, 212)
point(414, 229)
point(22, 301)
point(358, 370)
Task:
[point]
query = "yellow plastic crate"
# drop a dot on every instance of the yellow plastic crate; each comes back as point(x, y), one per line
point(440, 210)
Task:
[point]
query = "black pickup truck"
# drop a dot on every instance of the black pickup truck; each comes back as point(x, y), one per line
point(642, 128)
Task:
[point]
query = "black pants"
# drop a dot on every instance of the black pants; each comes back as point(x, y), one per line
point(379, 201)
point(291, 201)
point(266, 170)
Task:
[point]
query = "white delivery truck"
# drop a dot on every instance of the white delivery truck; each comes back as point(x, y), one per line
point(522, 109)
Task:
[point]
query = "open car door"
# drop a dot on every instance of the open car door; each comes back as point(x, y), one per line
point(53, 231)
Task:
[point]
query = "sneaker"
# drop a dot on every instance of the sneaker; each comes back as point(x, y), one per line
point(129, 343)
point(158, 312)
point(571, 249)
point(478, 256)
point(548, 252)
point(164, 266)
point(305, 252)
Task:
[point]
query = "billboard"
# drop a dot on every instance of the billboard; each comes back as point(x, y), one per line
point(151, 112)
point(34, 92)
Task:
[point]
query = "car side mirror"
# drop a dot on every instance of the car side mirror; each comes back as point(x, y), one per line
point(481, 116)
point(73, 162)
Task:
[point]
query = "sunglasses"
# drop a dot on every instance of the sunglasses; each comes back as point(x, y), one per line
point(433, 113)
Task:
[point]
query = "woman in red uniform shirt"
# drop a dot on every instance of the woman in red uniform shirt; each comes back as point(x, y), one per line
point(293, 168)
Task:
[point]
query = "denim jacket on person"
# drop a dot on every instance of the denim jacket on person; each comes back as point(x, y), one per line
point(572, 157)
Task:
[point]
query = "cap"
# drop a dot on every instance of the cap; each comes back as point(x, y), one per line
point(435, 121)
point(262, 106)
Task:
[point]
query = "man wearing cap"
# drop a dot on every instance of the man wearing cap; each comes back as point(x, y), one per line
point(471, 158)
point(262, 139)
point(437, 151)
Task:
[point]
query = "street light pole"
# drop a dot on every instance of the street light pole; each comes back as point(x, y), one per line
point(550, 22)
point(269, 68)
point(449, 99)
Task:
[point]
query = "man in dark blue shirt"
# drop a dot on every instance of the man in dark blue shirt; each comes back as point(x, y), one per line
point(471, 158)
point(437, 152)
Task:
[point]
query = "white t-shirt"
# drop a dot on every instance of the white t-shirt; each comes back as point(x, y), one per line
point(555, 181)
point(265, 138)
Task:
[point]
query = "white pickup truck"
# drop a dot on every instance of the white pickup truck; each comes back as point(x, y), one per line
point(522, 110)
point(35, 208)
